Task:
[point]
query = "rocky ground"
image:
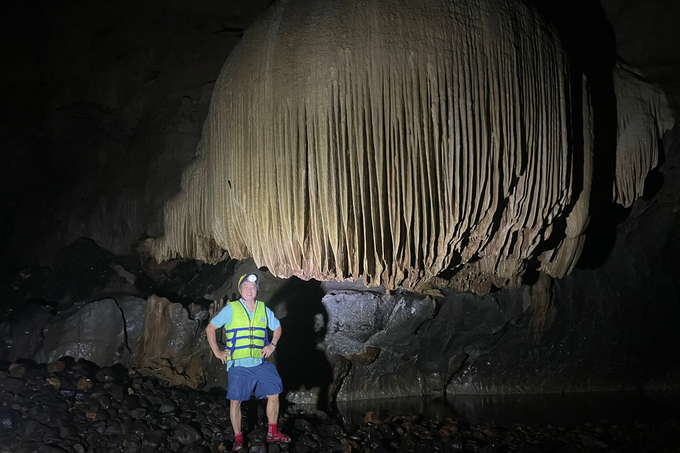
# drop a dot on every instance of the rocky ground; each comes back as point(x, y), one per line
point(70, 406)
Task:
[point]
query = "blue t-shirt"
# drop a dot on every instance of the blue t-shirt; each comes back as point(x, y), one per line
point(223, 318)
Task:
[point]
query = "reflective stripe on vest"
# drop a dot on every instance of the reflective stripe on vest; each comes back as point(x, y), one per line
point(246, 337)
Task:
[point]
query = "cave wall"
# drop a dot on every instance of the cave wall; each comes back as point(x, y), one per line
point(647, 38)
point(104, 107)
point(102, 117)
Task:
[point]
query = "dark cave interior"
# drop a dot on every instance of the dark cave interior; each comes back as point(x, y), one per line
point(105, 106)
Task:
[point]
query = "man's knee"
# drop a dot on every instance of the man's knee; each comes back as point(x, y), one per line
point(235, 404)
point(273, 397)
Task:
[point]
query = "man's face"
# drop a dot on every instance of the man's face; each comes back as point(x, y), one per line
point(248, 291)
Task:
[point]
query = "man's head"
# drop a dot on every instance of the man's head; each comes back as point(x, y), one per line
point(248, 285)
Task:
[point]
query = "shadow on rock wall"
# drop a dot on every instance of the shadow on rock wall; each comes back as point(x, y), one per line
point(302, 365)
point(592, 48)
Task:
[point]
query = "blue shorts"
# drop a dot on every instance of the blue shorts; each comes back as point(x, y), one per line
point(263, 379)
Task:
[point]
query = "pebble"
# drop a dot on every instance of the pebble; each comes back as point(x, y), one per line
point(303, 425)
point(17, 370)
point(84, 383)
point(81, 408)
point(56, 367)
point(371, 417)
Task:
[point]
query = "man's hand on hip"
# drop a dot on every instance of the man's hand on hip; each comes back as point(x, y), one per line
point(223, 356)
point(268, 350)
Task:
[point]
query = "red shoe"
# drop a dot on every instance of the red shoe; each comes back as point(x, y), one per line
point(238, 445)
point(278, 437)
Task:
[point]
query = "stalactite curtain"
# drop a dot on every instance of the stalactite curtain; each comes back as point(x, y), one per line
point(390, 140)
point(643, 117)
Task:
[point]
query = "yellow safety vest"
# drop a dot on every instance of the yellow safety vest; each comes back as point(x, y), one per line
point(246, 337)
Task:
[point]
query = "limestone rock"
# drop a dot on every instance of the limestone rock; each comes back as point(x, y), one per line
point(368, 336)
point(172, 346)
point(100, 332)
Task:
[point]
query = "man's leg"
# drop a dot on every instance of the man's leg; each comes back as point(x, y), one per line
point(273, 409)
point(241, 385)
point(273, 434)
point(235, 415)
point(269, 385)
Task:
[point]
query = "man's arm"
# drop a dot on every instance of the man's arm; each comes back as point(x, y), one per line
point(212, 341)
point(270, 348)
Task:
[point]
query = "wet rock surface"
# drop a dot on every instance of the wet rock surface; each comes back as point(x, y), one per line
point(70, 406)
point(95, 331)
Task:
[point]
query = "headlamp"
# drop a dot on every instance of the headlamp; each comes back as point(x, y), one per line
point(250, 277)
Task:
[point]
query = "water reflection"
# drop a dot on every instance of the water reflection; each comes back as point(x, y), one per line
point(556, 409)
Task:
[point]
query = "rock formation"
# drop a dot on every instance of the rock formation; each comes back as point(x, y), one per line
point(159, 338)
point(172, 346)
point(391, 141)
point(643, 118)
point(102, 331)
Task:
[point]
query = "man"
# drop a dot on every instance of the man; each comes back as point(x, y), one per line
point(246, 321)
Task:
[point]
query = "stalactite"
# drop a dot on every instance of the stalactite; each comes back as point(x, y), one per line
point(643, 117)
point(389, 140)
